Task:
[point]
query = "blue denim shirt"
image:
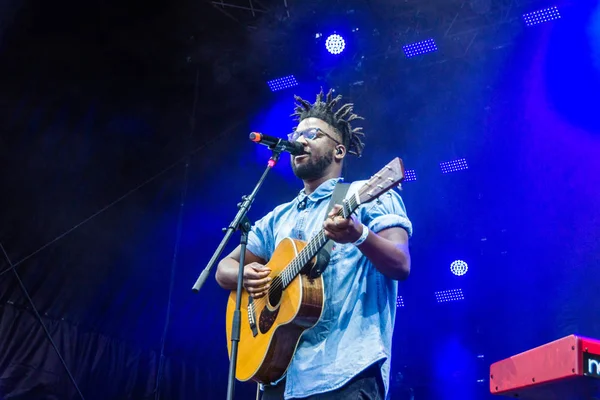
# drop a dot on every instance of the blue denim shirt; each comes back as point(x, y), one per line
point(357, 321)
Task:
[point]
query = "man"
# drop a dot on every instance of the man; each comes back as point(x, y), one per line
point(346, 355)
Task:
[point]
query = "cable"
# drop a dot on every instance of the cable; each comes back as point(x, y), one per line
point(39, 318)
point(163, 340)
point(161, 362)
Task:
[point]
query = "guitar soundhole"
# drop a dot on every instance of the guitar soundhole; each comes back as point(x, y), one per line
point(269, 314)
point(275, 292)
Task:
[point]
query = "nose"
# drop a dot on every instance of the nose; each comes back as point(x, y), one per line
point(302, 140)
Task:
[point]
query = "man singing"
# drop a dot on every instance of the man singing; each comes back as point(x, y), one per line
point(347, 354)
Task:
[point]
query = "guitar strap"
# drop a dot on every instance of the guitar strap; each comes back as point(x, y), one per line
point(339, 193)
point(324, 255)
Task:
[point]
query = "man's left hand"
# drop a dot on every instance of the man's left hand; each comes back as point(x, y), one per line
point(340, 229)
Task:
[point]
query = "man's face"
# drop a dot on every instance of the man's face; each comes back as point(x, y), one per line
point(320, 150)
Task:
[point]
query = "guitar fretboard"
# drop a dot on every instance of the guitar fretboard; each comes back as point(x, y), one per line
point(314, 245)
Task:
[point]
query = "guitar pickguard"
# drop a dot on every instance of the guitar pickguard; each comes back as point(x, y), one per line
point(267, 319)
point(315, 268)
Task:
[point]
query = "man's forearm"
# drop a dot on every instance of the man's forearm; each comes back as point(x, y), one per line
point(391, 259)
point(227, 273)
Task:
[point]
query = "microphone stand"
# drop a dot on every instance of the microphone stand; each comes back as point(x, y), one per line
point(241, 223)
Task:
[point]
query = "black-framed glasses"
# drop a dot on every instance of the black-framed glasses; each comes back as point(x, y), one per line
point(310, 134)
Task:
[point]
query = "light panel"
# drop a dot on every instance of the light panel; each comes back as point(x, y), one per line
point(454, 165)
point(415, 49)
point(282, 83)
point(445, 296)
point(410, 175)
point(541, 16)
point(399, 302)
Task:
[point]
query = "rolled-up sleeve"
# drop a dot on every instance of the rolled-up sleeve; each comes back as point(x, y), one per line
point(388, 211)
point(260, 238)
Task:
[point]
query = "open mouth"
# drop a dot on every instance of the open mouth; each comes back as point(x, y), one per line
point(301, 157)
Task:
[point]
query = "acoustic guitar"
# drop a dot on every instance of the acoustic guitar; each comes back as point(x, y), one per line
point(272, 325)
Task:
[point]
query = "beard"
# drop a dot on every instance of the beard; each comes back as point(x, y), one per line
point(312, 169)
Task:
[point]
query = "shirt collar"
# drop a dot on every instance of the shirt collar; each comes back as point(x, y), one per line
point(325, 189)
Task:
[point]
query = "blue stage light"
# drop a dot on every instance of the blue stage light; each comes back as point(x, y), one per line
point(459, 267)
point(335, 44)
point(399, 302)
point(410, 175)
point(282, 83)
point(445, 296)
point(454, 165)
point(415, 49)
point(540, 16)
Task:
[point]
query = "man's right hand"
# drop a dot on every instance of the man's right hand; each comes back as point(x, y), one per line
point(256, 279)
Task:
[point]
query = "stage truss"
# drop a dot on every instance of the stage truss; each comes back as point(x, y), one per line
point(245, 12)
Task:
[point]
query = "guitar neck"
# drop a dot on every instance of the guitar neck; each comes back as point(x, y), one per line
point(388, 177)
point(314, 245)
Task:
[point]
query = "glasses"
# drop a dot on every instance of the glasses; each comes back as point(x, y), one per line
point(310, 134)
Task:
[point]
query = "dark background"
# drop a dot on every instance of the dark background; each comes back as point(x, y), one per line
point(123, 143)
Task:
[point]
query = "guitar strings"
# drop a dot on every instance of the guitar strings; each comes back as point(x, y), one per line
point(319, 236)
point(279, 282)
point(352, 203)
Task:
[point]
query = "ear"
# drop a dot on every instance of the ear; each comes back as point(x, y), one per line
point(340, 152)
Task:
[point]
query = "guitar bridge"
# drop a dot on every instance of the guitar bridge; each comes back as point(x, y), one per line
point(252, 316)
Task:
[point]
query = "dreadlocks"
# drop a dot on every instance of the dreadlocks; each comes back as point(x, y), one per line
point(339, 119)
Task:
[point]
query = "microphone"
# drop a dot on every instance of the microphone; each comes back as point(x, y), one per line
point(294, 148)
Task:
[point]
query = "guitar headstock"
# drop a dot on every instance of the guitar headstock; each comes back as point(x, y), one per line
point(389, 176)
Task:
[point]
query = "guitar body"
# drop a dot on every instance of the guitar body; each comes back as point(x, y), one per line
point(272, 325)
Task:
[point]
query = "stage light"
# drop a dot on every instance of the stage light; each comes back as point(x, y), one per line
point(540, 16)
point(454, 165)
point(399, 302)
point(459, 267)
point(415, 49)
point(445, 296)
point(282, 83)
point(335, 44)
point(410, 175)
